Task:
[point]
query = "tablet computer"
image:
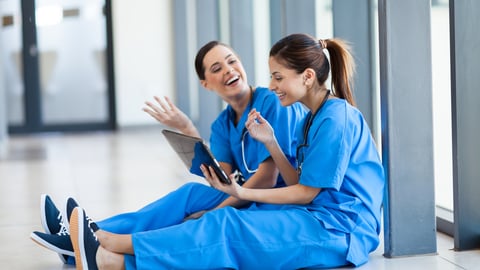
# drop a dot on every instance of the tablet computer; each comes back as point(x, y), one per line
point(194, 152)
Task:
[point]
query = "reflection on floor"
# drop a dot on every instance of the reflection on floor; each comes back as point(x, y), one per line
point(116, 172)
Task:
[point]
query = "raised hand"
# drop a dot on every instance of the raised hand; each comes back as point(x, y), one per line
point(259, 128)
point(165, 112)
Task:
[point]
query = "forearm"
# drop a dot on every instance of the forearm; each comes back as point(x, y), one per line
point(265, 177)
point(286, 169)
point(190, 129)
point(294, 194)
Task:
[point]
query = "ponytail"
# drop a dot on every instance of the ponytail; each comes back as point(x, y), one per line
point(343, 68)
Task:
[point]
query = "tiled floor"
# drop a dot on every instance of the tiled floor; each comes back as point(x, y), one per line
point(110, 173)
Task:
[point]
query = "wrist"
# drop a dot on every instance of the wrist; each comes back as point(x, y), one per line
point(190, 129)
point(241, 193)
point(271, 143)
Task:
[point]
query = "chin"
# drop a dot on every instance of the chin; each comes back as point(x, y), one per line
point(285, 102)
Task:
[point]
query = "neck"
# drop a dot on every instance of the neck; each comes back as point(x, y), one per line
point(241, 103)
point(315, 98)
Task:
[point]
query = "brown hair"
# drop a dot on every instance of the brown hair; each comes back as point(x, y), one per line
point(199, 68)
point(302, 51)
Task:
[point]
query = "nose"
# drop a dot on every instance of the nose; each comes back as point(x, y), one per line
point(229, 71)
point(271, 85)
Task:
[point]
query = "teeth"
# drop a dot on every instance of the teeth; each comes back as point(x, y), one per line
point(232, 79)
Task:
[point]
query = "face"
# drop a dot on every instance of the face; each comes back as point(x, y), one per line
point(224, 72)
point(286, 83)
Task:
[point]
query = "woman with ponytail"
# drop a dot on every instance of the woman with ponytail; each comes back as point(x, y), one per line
point(336, 189)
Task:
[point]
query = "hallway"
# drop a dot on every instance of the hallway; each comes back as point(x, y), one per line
point(109, 173)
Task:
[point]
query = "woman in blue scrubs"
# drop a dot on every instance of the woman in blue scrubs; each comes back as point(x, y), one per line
point(220, 71)
point(327, 216)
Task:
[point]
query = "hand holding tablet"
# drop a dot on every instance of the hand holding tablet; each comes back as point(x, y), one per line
point(194, 152)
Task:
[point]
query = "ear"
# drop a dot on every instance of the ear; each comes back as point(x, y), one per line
point(204, 84)
point(309, 76)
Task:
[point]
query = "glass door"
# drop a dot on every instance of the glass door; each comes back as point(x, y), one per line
point(61, 66)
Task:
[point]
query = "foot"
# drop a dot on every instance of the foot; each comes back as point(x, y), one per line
point(85, 243)
point(52, 223)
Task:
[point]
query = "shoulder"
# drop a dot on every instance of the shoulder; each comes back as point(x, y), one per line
point(340, 112)
point(338, 107)
point(263, 96)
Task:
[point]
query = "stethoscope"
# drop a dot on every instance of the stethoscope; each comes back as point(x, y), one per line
point(244, 134)
point(306, 129)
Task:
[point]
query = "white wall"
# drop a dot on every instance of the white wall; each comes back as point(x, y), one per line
point(262, 41)
point(143, 53)
point(442, 120)
point(3, 110)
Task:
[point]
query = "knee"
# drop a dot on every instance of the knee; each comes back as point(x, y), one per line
point(192, 185)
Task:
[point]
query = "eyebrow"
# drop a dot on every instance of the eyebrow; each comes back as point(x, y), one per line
point(216, 63)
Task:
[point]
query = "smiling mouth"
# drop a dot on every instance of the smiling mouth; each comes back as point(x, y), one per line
point(232, 80)
point(280, 95)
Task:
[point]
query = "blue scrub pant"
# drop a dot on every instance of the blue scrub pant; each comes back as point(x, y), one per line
point(260, 237)
point(166, 211)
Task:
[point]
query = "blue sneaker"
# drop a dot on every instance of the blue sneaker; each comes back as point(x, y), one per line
point(69, 206)
point(85, 243)
point(52, 221)
point(51, 217)
point(59, 242)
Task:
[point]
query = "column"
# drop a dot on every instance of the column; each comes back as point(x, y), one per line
point(407, 127)
point(465, 64)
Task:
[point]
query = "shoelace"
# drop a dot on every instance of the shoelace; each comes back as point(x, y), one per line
point(92, 226)
point(63, 229)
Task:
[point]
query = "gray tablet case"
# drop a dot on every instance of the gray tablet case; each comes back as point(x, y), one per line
point(194, 152)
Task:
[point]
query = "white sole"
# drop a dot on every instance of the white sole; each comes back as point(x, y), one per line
point(45, 226)
point(47, 245)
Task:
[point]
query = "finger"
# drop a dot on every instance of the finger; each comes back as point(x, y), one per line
point(206, 175)
point(155, 108)
point(260, 119)
point(161, 104)
point(152, 113)
point(170, 103)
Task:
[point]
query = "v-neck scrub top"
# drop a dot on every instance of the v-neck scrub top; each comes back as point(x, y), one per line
point(226, 136)
point(342, 160)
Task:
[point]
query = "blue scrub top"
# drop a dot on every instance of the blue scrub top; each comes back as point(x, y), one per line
point(342, 159)
point(226, 137)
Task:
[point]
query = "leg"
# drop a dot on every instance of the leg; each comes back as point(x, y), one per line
point(118, 243)
point(243, 239)
point(166, 211)
point(108, 260)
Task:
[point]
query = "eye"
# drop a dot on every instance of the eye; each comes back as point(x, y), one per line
point(215, 69)
point(276, 77)
point(232, 61)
